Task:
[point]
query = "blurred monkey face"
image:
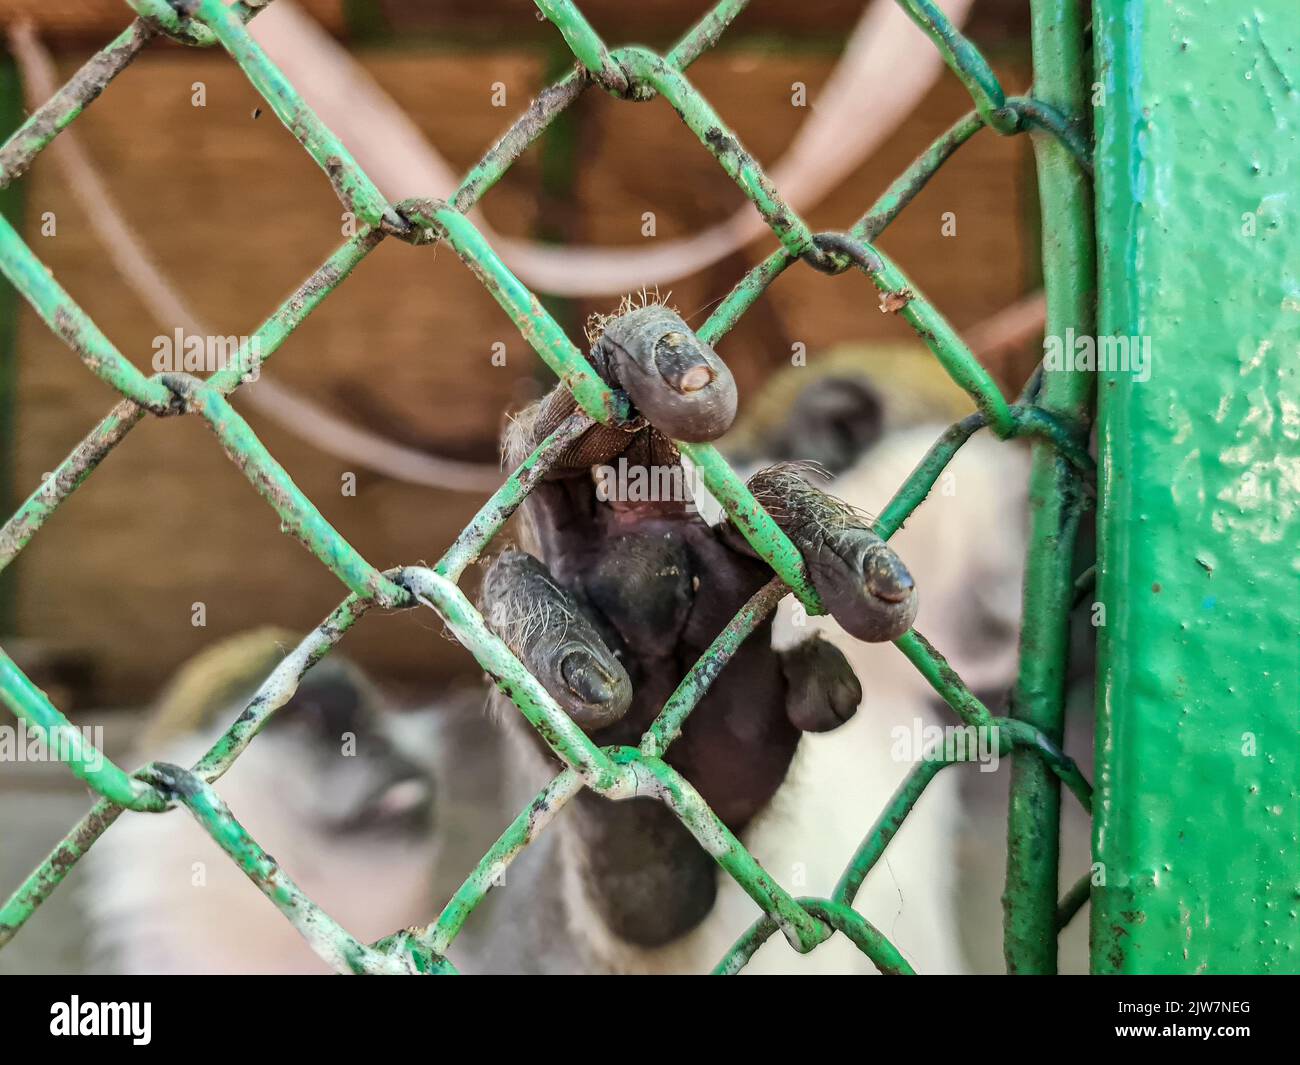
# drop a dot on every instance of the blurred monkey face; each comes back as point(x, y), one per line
point(345, 773)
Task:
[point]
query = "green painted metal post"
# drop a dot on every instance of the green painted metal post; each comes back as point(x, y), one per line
point(1056, 502)
point(1197, 831)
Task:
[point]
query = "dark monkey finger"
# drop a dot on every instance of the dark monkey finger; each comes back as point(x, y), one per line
point(675, 380)
point(863, 583)
point(548, 631)
point(822, 690)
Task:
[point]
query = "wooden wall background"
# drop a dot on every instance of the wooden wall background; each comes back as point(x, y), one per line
point(238, 215)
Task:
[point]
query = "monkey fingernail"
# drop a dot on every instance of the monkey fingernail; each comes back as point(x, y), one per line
point(887, 578)
point(584, 677)
point(596, 698)
point(681, 365)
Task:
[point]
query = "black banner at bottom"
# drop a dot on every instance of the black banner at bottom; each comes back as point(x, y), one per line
point(242, 1016)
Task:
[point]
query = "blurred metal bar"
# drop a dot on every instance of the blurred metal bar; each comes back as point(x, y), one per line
point(1069, 274)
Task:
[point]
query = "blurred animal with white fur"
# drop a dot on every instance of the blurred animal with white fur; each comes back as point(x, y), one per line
point(328, 787)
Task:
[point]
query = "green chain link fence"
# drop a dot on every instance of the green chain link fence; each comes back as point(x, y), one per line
point(1053, 412)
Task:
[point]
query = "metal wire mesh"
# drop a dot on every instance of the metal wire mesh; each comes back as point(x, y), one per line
point(635, 75)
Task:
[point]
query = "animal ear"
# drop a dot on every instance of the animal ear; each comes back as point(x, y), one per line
point(833, 421)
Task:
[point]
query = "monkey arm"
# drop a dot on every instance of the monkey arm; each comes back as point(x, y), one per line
point(862, 582)
point(822, 691)
point(557, 641)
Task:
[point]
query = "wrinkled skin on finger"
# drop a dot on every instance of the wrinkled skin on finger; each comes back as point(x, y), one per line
point(863, 583)
point(625, 587)
point(673, 378)
point(555, 640)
